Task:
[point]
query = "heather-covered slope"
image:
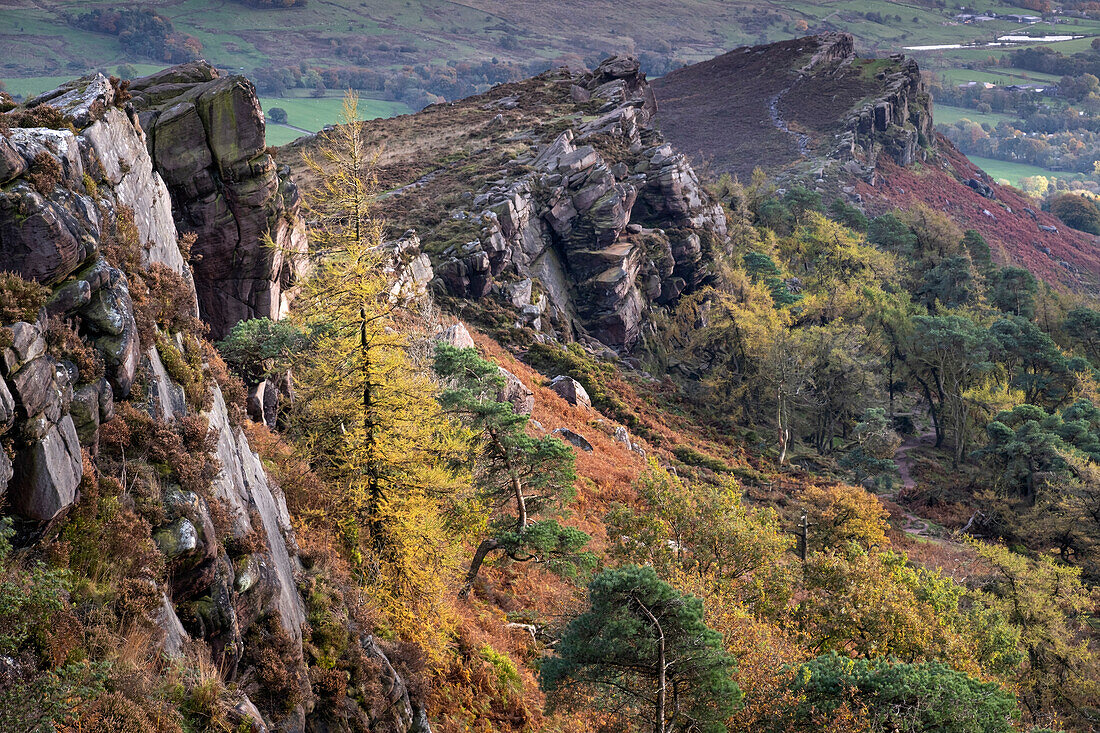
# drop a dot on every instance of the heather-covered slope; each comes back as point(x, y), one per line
point(811, 111)
point(792, 102)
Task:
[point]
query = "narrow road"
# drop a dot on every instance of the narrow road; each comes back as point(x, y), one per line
point(302, 130)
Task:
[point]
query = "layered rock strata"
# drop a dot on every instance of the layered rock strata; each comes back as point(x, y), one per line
point(206, 139)
point(604, 239)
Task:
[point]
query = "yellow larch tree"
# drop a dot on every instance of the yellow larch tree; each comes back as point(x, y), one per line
point(365, 413)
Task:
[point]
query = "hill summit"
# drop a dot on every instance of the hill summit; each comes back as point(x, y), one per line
point(799, 100)
point(810, 111)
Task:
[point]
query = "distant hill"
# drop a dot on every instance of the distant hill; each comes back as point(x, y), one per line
point(812, 111)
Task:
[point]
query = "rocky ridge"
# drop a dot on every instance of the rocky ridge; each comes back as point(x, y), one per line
point(798, 107)
point(591, 221)
point(68, 196)
point(604, 239)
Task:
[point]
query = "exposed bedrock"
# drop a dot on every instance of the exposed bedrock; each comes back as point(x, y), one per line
point(206, 138)
point(604, 239)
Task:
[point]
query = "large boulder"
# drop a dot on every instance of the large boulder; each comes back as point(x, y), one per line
point(571, 391)
point(516, 392)
point(47, 473)
point(457, 336)
point(48, 226)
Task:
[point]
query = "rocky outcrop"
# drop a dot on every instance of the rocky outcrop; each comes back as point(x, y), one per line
point(603, 239)
point(229, 548)
point(206, 139)
point(897, 122)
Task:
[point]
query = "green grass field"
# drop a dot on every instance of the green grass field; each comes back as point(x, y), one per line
point(307, 113)
point(35, 39)
point(1011, 172)
point(313, 114)
point(947, 115)
point(39, 48)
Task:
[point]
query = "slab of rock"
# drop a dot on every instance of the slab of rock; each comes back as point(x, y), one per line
point(457, 336)
point(570, 390)
point(6, 472)
point(169, 623)
point(7, 407)
point(243, 485)
point(27, 344)
point(515, 392)
point(33, 386)
point(48, 473)
point(575, 439)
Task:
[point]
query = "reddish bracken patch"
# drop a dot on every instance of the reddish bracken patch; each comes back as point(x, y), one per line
point(1065, 257)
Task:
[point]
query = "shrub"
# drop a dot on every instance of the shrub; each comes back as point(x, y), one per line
point(1078, 212)
point(900, 697)
point(44, 173)
point(65, 343)
point(259, 348)
point(20, 300)
point(168, 301)
point(272, 653)
point(186, 369)
point(42, 115)
point(692, 457)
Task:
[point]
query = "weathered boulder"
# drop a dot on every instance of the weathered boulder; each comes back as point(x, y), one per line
point(109, 315)
point(6, 472)
point(33, 386)
point(516, 392)
point(46, 237)
point(7, 407)
point(178, 540)
point(27, 343)
point(91, 406)
point(575, 439)
point(457, 336)
point(47, 473)
point(570, 390)
point(206, 138)
point(407, 267)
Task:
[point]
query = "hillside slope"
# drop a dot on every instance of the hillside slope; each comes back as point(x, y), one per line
point(812, 111)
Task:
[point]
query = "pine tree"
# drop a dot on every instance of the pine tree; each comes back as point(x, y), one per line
point(645, 646)
point(519, 477)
